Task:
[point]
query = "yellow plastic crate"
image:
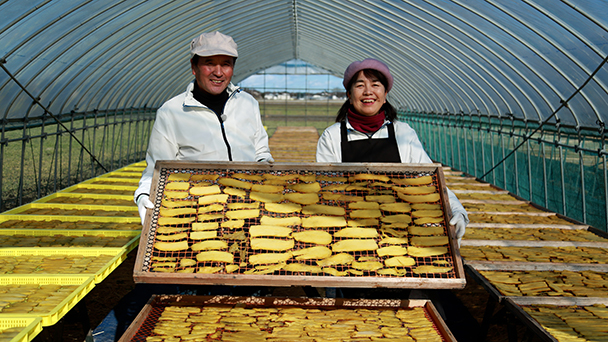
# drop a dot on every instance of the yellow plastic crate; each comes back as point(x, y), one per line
point(133, 235)
point(121, 174)
point(85, 285)
point(111, 180)
point(29, 328)
point(81, 195)
point(118, 255)
point(75, 188)
point(101, 219)
point(25, 207)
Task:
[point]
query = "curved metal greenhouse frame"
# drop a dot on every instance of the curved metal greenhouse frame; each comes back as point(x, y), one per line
point(477, 79)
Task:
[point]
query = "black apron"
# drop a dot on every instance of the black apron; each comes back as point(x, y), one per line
point(370, 150)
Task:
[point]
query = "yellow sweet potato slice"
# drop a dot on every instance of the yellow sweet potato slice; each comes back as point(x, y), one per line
point(302, 198)
point(354, 245)
point(242, 214)
point(210, 208)
point(427, 213)
point(399, 261)
point(312, 253)
point(398, 218)
point(172, 237)
point(185, 262)
point(391, 251)
point(175, 194)
point(177, 204)
point(357, 233)
point(430, 198)
point(267, 188)
point(170, 230)
point(425, 241)
point(179, 177)
point(328, 178)
point(284, 208)
point(266, 197)
point(176, 211)
point(209, 269)
point(177, 186)
point(426, 206)
point(266, 230)
point(197, 226)
point(246, 176)
point(398, 207)
point(203, 234)
point(304, 268)
point(196, 178)
point(364, 205)
point(171, 246)
point(367, 265)
point(219, 198)
point(323, 221)
point(231, 268)
point(365, 213)
point(335, 187)
point(322, 209)
point(380, 198)
point(283, 177)
point(415, 190)
point(167, 221)
point(393, 241)
point(235, 192)
point(269, 258)
point(422, 269)
point(369, 176)
point(209, 245)
point(209, 217)
point(318, 237)
point(414, 230)
point(426, 251)
point(413, 181)
point(370, 222)
point(425, 220)
point(271, 244)
point(233, 224)
point(215, 256)
point(205, 190)
point(306, 187)
point(336, 259)
point(234, 183)
point(280, 221)
point(237, 205)
point(335, 272)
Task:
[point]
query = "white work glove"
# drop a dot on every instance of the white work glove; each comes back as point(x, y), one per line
point(143, 204)
point(459, 222)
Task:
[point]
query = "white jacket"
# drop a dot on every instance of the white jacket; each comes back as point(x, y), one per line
point(185, 129)
point(329, 150)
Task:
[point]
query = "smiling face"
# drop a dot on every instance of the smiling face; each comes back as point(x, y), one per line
point(213, 73)
point(367, 94)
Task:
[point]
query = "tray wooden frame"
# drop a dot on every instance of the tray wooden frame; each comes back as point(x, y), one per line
point(141, 275)
point(275, 302)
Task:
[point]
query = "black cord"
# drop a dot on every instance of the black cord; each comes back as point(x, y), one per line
point(563, 104)
point(51, 114)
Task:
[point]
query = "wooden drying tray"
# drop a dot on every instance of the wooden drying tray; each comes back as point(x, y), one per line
point(455, 278)
point(515, 305)
point(144, 323)
point(473, 268)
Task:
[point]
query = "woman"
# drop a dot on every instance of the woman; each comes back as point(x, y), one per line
point(367, 130)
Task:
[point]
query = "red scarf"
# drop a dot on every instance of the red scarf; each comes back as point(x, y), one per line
point(365, 124)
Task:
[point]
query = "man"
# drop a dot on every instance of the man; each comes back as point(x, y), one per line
point(212, 120)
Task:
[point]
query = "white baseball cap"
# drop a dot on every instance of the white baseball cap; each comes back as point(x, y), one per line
point(212, 44)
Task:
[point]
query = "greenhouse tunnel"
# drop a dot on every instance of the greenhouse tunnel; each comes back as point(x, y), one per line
point(512, 93)
point(481, 81)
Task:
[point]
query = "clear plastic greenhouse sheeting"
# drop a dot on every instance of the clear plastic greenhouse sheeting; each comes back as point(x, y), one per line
point(487, 57)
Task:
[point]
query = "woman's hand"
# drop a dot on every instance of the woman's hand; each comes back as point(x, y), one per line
point(459, 222)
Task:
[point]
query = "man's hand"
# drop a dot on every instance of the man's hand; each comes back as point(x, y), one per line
point(143, 204)
point(460, 224)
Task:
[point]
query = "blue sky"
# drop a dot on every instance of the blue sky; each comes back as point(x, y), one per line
point(293, 76)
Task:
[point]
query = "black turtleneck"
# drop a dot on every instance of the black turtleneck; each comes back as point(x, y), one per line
point(214, 102)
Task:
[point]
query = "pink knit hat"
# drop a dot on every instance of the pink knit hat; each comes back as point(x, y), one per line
point(368, 63)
